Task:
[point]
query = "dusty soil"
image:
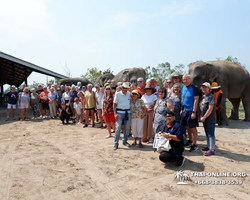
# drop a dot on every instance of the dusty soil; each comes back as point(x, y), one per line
point(45, 160)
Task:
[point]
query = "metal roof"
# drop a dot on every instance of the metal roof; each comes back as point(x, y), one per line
point(14, 70)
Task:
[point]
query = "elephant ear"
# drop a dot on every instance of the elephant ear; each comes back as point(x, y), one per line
point(212, 72)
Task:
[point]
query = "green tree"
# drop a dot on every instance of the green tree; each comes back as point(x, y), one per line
point(34, 85)
point(107, 71)
point(163, 71)
point(52, 81)
point(92, 74)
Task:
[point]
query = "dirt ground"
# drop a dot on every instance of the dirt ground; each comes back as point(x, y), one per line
point(45, 160)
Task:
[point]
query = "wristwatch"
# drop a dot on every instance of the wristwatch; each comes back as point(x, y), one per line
point(193, 111)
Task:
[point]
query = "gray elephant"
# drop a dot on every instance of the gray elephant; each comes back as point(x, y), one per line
point(234, 80)
point(131, 74)
point(71, 81)
point(104, 78)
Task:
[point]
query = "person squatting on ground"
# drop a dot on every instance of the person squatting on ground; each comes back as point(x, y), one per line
point(190, 100)
point(12, 101)
point(172, 131)
point(121, 108)
point(34, 103)
point(138, 110)
point(208, 117)
point(64, 113)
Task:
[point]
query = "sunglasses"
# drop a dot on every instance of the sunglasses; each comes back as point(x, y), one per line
point(107, 88)
point(169, 82)
point(168, 116)
point(176, 77)
point(160, 91)
point(134, 94)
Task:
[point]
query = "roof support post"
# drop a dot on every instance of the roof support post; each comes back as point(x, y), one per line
point(1, 84)
point(13, 74)
point(25, 76)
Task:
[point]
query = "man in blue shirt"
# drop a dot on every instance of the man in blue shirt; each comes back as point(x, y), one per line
point(12, 100)
point(190, 100)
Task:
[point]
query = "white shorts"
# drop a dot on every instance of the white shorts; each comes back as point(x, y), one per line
point(11, 106)
point(24, 105)
point(137, 127)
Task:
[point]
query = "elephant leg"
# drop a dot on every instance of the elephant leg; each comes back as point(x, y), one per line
point(235, 109)
point(246, 105)
point(224, 118)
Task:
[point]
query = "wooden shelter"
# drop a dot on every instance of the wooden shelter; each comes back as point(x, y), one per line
point(14, 71)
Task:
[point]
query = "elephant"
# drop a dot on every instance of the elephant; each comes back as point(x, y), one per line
point(71, 81)
point(234, 80)
point(104, 78)
point(131, 74)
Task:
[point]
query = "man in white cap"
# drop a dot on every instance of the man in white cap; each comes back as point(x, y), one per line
point(12, 100)
point(121, 108)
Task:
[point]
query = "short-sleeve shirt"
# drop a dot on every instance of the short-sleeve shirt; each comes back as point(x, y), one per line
point(66, 96)
point(122, 100)
point(73, 95)
point(52, 95)
point(99, 99)
point(205, 101)
point(44, 97)
point(89, 100)
point(108, 104)
point(34, 99)
point(12, 97)
point(24, 98)
point(149, 100)
point(136, 108)
point(188, 94)
point(59, 98)
point(175, 129)
point(78, 107)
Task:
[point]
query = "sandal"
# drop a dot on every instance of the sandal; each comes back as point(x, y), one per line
point(134, 143)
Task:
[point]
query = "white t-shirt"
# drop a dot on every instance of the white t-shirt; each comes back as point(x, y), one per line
point(66, 96)
point(99, 98)
point(149, 100)
point(78, 108)
point(122, 101)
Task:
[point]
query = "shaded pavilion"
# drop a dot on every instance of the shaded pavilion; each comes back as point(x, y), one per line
point(14, 71)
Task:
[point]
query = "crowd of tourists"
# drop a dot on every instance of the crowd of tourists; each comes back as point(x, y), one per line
point(140, 111)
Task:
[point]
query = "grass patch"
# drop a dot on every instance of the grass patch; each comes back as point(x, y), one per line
point(229, 108)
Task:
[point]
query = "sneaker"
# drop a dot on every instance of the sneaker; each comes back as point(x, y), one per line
point(7, 119)
point(209, 153)
point(85, 125)
point(44, 117)
point(151, 140)
point(41, 116)
point(129, 135)
point(189, 142)
point(193, 148)
point(93, 125)
point(134, 143)
point(115, 147)
point(49, 117)
point(180, 164)
point(205, 149)
point(140, 145)
point(126, 144)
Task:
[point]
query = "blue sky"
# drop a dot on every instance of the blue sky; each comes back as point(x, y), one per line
point(120, 34)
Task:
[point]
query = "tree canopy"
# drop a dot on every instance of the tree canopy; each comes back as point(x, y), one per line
point(163, 71)
point(93, 73)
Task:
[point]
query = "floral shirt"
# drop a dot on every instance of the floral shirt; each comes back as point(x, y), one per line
point(108, 104)
point(137, 108)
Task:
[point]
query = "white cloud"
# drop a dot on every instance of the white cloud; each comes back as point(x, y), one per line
point(121, 20)
point(181, 8)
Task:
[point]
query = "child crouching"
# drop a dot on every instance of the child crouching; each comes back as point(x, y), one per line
point(64, 113)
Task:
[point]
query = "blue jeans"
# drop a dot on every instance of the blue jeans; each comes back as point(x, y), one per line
point(118, 127)
point(209, 130)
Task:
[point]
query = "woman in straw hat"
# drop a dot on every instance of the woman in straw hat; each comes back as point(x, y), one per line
point(137, 115)
point(149, 99)
point(217, 92)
